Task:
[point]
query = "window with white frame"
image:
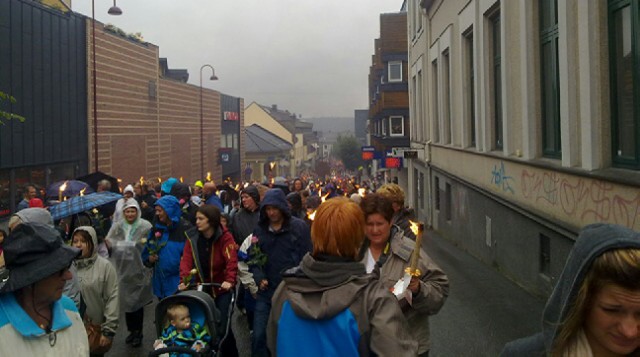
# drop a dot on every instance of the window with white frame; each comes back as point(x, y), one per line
point(384, 127)
point(396, 124)
point(395, 71)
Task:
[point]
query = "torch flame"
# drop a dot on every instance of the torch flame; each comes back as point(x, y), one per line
point(415, 227)
point(209, 176)
point(159, 180)
point(273, 180)
point(362, 191)
point(82, 191)
point(272, 165)
point(312, 215)
point(237, 187)
point(181, 180)
point(324, 198)
point(141, 180)
point(63, 187)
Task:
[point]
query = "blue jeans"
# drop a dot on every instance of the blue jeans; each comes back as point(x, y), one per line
point(260, 320)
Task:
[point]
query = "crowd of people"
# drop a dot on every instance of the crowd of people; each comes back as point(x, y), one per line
point(313, 264)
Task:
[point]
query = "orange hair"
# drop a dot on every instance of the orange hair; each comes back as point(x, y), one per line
point(338, 228)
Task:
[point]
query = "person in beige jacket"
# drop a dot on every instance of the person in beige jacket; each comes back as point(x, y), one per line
point(329, 305)
point(387, 248)
point(98, 285)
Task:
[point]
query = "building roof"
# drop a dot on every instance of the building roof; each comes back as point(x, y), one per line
point(259, 140)
point(181, 75)
point(284, 117)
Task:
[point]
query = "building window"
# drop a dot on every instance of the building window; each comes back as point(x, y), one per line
point(419, 118)
point(545, 255)
point(471, 90)
point(434, 90)
point(446, 97)
point(448, 201)
point(395, 71)
point(421, 190)
point(497, 79)
point(383, 123)
point(397, 126)
point(436, 192)
point(624, 29)
point(550, 79)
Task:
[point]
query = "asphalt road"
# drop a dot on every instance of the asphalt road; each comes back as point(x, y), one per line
point(484, 309)
point(483, 312)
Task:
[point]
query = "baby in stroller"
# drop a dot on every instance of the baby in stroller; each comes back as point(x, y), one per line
point(181, 331)
point(186, 325)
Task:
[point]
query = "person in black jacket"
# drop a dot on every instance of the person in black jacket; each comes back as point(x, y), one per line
point(284, 240)
point(146, 200)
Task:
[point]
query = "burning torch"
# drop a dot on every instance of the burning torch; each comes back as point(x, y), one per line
point(400, 289)
point(61, 190)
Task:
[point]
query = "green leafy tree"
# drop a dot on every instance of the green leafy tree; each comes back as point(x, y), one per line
point(4, 97)
point(347, 149)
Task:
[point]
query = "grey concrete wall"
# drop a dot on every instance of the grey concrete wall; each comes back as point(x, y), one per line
point(513, 247)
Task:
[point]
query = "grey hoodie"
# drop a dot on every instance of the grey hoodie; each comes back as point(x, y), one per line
point(592, 242)
point(319, 290)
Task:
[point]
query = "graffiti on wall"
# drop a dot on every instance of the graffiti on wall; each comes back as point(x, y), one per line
point(583, 199)
point(500, 178)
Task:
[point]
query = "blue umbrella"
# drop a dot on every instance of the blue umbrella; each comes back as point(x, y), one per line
point(73, 188)
point(79, 204)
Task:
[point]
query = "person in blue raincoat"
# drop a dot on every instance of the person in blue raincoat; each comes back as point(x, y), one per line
point(164, 246)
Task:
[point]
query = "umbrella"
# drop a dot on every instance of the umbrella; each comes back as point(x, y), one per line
point(93, 178)
point(73, 188)
point(79, 204)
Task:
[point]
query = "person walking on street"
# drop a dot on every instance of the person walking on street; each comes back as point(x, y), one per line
point(146, 200)
point(388, 249)
point(246, 219)
point(401, 215)
point(35, 318)
point(211, 250)
point(594, 308)
point(209, 195)
point(134, 279)
point(164, 246)
point(281, 240)
point(127, 195)
point(99, 286)
point(30, 192)
point(329, 305)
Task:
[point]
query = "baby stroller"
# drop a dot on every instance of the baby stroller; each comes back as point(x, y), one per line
point(203, 311)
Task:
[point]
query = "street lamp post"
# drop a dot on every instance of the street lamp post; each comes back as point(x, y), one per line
point(114, 10)
point(213, 78)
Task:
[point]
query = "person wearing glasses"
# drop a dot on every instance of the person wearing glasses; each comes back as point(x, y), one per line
point(35, 318)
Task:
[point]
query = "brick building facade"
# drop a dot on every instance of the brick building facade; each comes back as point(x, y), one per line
point(148, 125)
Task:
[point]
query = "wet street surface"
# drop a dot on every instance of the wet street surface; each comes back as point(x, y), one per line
point(483, 312)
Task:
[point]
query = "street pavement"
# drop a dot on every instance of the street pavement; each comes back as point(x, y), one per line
point(483, 312)
point(484, 309)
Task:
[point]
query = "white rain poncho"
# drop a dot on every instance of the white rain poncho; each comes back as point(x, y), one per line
point(126, 241)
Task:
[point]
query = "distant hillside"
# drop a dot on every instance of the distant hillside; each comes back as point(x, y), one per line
point(338, 125)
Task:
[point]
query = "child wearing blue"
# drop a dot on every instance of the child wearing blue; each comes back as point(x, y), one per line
point(181, 331)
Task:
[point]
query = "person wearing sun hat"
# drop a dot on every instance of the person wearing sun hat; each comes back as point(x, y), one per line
point(35, 318)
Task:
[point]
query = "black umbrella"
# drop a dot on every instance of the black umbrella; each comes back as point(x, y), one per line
point(93, 179)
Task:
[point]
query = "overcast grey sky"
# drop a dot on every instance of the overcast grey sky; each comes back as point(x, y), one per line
point(311, 57)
